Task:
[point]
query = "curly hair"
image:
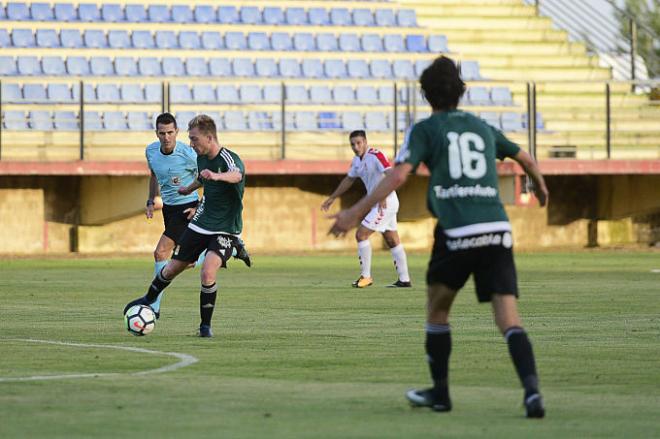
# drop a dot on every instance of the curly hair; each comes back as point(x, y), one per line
point(442, 84)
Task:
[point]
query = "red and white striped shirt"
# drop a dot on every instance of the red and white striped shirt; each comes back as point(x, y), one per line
point(371, 170)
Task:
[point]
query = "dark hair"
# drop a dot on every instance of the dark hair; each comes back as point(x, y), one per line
point(165, 119)
point(442, 84)
point(205, 124)
point(357, 133)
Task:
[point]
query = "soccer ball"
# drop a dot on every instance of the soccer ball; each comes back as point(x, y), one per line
point(140, 320)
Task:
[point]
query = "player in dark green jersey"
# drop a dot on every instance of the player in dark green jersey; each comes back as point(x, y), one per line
point(473, 233)
point(217, 223)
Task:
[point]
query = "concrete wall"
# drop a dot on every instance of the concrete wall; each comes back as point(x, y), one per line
point(22, 220)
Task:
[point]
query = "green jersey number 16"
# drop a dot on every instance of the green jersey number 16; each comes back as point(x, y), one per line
point(466, 157)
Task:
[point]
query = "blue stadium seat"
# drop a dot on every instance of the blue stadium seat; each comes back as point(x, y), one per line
point(89, 93)
point(250, 94)
point(349, 42)
point(40, 120)
point(273, 15)
point(212, 40)
point(512, 122)
point(258, 41)
point(311, 68)
point(182, 14)
point(173, 66)
point(243, 67)
point(501, 96)
point(437, 44)
point(250, 15)
point(34, 93)
point(421, 65)
point(304, 41)
point(149, 66)
point(386, 94)
point(119, 39)
point(112, 13)
point(158, 14)
point(220, 67)
point(11, 92)
point(131, 93)
point(183, 117)
point(415, 43)
point(197, 67)
point(265, 67)
point(363, 17)
point(277, 121)
point(59, 93)
point(15, 120)
point(478, 96)
point(41, 12)
point(281, 41)
point(153, 92)
point(260, 121)
point(47, 38)
point(142, 39)
point(189, 40)
point(227, 94)
point(95, 39)
point(89, 12)
point(203, 94)
point(403, 69)
point(18, 12)
point(376, 121)
point(228, 15)
point(139, 121)
point(2, 13)
point(385, 17)
point(235, 41)
point(340, 17)
point(136, 13)
point(53, 66)
point(108, 93)
point(380, 68)
point(126, 66)
point(235, 121)
point(101, 66)
point(372, 43)
point(114, 121)
point(92, 121)
point(318, 16)
point(470, 71)
point(393, 43)
point(290, 68)
point(343, 94)
point(22, 38)
point(5, 41)
point(28, 65)
point(297, 94)
point(326, 42)
point(491, 118)
point(180, 94)
point(166, 39)
point(204, 14)
point(295, 16)
point(305, 121)
point(335, 68)
point(406, 17)
point(66, 121)
point(65, 12)
point(352, 120)
point(357, 68)
point(77, 65)
point(71, 38)
point(329, 120)
point(367, 94)
point(320, 94)
point(272, 94)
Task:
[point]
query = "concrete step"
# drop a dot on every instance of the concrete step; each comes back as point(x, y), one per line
point(545, 73)
point(485, 10)
point(503, 36)
point(424, 3)
point(638, 125)
point(517, 48)
point(486, 23)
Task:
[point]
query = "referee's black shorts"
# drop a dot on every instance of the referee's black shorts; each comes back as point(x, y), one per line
point(175, 220)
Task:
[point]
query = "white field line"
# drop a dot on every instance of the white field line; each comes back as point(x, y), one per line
point(185, 360)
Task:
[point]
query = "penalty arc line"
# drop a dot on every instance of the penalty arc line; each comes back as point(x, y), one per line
point(185, 360)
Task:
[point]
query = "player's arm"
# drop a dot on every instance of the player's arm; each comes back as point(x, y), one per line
point(153, 192)
point(343, 186)
point(231, 176)
point(349, 218)
point(531, 168)
point(186, 190)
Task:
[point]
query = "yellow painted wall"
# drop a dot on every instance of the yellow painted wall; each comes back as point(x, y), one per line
point(21, 220)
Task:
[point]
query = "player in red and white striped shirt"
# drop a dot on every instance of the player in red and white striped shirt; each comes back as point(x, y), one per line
point(371, 165)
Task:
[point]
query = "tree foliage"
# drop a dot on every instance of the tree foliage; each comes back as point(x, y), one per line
point(647, 16)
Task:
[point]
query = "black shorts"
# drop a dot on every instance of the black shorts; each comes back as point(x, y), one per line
point(488, 256)
point(176, 222)
point(192, 244)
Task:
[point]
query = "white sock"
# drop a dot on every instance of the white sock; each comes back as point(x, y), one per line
point(364, 255)
point(400, 262)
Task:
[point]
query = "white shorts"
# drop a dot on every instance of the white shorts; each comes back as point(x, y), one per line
point(380, 220)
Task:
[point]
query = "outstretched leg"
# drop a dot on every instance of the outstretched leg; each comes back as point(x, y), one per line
point(399, 258)
point(208, 292)
point(364, 256)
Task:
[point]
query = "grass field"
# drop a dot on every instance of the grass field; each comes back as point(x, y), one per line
point(298, 353)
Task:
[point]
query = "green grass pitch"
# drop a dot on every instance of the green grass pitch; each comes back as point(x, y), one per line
point(297, 353)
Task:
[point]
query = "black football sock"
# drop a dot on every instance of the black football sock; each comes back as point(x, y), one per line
point(157, 285)
point(438, 349)
point(207, 298)
point(522, 355)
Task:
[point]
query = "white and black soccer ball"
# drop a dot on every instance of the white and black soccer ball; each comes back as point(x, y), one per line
point(140, 320)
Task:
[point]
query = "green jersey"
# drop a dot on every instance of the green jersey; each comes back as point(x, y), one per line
point(221, 207)
point(459, 149)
